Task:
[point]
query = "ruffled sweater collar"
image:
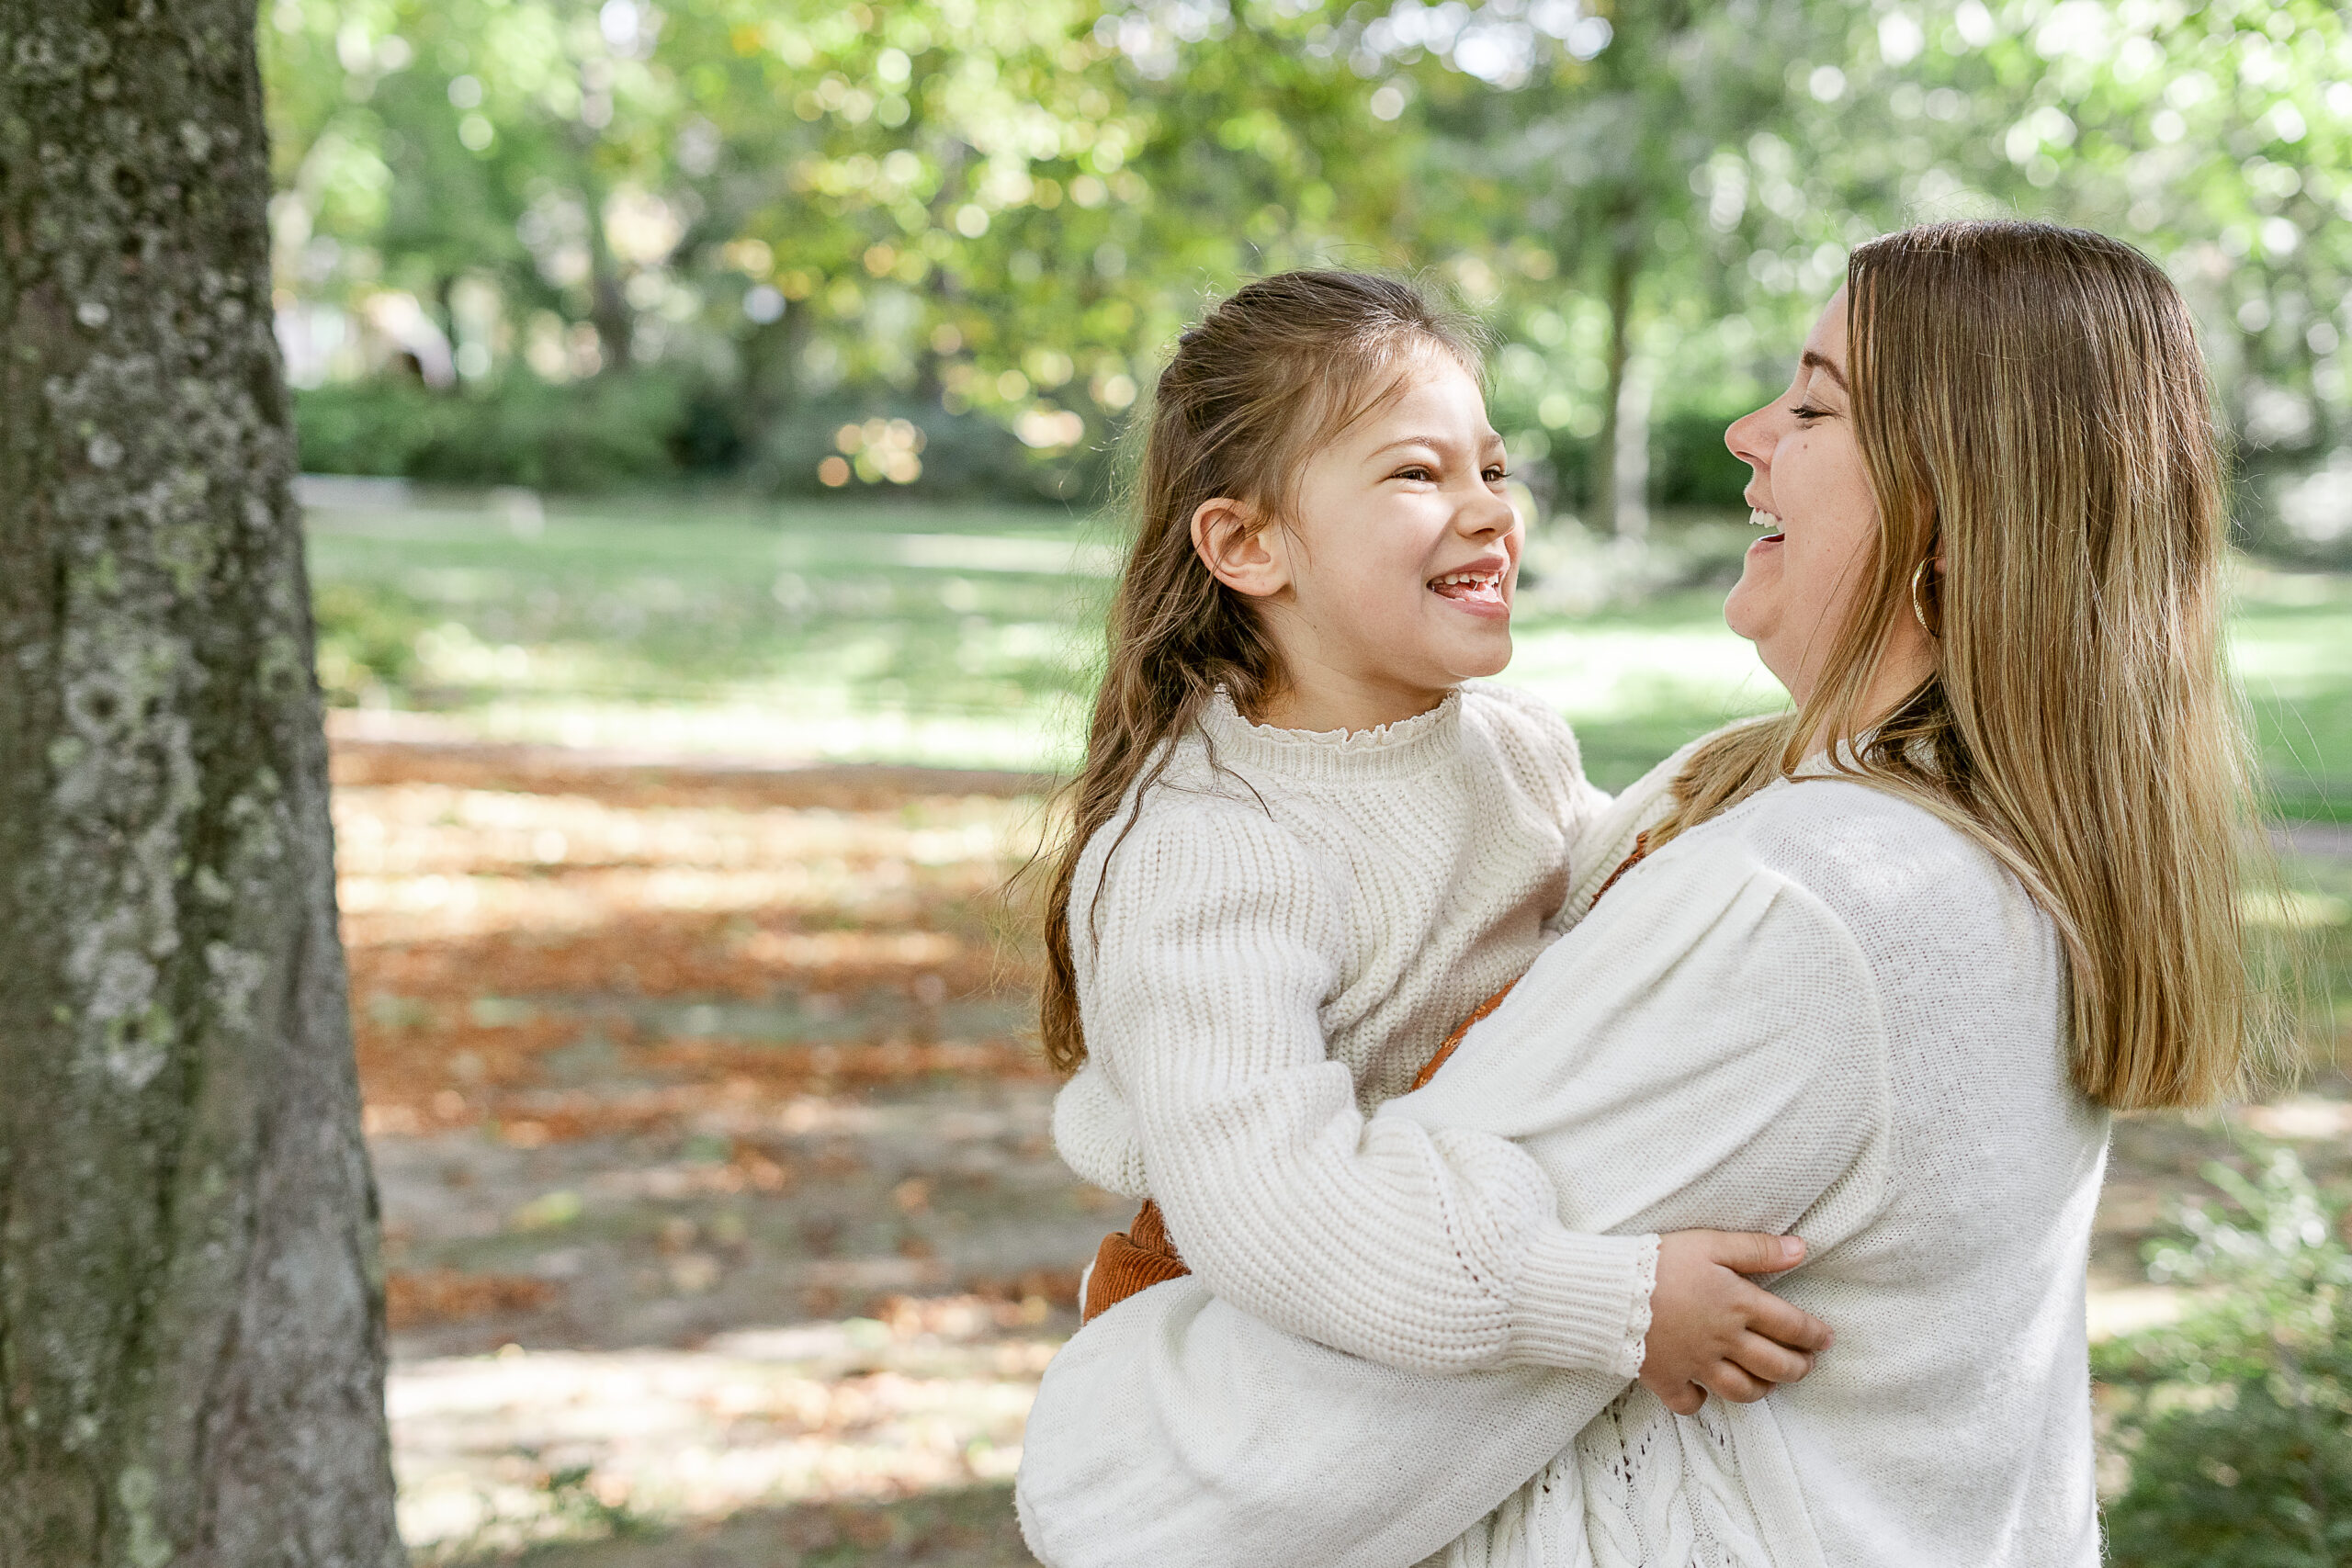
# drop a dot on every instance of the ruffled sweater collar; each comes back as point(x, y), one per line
point(1385, 752)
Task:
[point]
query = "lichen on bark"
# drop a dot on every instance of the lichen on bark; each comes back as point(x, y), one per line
point(191, 1332)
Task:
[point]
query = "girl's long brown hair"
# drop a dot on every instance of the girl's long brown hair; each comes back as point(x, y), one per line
point(1283, 364)
point(2032, 408)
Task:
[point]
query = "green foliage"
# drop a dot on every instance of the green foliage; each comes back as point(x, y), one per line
point(576, 1502)
point(1695, 468)
point(612, 431)
point(2238, 1419)
point(1007, 207)
point(367, 640)
point(964, 457)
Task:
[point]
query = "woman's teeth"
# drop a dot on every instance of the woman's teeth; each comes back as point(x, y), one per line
point(1760, 518)
point(1483, 587)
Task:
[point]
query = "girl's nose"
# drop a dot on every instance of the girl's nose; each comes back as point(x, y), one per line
point(1487, 514)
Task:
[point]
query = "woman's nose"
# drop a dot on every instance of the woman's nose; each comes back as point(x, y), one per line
point(1745, 437)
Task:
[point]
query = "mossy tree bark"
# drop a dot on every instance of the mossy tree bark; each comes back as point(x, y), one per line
point(191, 1322)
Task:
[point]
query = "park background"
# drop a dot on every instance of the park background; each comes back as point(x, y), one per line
point(712, 415)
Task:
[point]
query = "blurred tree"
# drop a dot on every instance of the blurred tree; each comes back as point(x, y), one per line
point(1595, 151)
point(191, 1319)
point(976, 210)
point(2214, 135)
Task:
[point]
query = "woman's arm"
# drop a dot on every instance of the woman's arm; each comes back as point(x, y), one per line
point(1428, 1248)
point(1704, 1049)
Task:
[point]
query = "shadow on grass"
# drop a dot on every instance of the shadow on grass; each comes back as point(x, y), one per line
point(971, 1528)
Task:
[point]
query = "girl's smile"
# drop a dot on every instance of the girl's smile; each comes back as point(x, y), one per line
point(1480, 588)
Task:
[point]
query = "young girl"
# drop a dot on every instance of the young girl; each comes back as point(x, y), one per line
point(1303, 851)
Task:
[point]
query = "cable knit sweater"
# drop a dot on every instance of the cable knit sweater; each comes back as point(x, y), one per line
point(1288, 928)
point(1824, 1010)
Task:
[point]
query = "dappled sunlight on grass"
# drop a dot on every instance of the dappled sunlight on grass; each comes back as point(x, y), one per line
point(966, 638)
point(653, 1058)
point(500, 1450)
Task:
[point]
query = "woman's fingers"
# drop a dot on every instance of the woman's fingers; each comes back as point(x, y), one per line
point(1769, 1361)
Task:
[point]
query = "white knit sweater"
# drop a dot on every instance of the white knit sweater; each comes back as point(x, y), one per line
point(1288, 930)
point(1825, 1010)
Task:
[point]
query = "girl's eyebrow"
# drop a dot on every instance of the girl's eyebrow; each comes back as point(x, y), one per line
point(1812, 361)
point(1438, 443)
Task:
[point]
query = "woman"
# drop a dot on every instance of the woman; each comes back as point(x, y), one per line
point(1883, 970)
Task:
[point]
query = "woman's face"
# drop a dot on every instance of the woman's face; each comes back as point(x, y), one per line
point(1811, 488)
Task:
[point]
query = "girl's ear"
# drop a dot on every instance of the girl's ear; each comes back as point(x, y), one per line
point(1242, 552)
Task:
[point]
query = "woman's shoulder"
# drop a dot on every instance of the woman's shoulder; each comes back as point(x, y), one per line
point(1872, 857)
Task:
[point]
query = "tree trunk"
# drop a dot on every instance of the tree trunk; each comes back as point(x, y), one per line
point(608, 308)
point(1612, 482)
point(191, 1315)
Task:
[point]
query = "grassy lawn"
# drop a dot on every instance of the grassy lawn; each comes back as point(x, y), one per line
point(842, 634)
point(969, 636)
point(854, 634)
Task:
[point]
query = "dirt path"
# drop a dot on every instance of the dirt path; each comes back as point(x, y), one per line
point(722, 1221)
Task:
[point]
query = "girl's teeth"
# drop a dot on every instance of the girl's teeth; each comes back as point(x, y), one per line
point(1471, 585)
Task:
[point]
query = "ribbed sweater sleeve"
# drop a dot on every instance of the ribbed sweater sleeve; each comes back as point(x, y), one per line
point(1220, 939)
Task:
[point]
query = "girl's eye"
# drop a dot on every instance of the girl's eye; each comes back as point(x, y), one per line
point(1497, 474)
point(1413, 472)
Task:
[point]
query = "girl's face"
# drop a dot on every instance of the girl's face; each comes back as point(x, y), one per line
point(1810, 488)
point(1392, 580)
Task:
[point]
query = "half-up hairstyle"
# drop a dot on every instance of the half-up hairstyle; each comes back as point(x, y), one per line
point(2032, 410)
point(1278, 368)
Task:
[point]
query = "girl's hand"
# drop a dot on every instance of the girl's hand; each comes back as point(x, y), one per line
point(1713, 1332)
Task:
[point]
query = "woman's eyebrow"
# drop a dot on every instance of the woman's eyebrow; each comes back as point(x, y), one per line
point(1812, 361)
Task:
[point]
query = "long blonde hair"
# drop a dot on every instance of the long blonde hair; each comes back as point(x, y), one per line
point(1283, 364)
point(2032, 409)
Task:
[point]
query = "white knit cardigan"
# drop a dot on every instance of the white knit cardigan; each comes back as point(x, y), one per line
point(1824, 1010)
point(1271, 947)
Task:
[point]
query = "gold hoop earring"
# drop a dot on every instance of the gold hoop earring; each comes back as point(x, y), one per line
point(1918, 573)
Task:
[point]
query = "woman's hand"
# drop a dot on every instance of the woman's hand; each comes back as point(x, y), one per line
point(1713, 1332)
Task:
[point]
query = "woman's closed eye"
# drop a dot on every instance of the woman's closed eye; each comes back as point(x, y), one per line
point(1808, 413)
